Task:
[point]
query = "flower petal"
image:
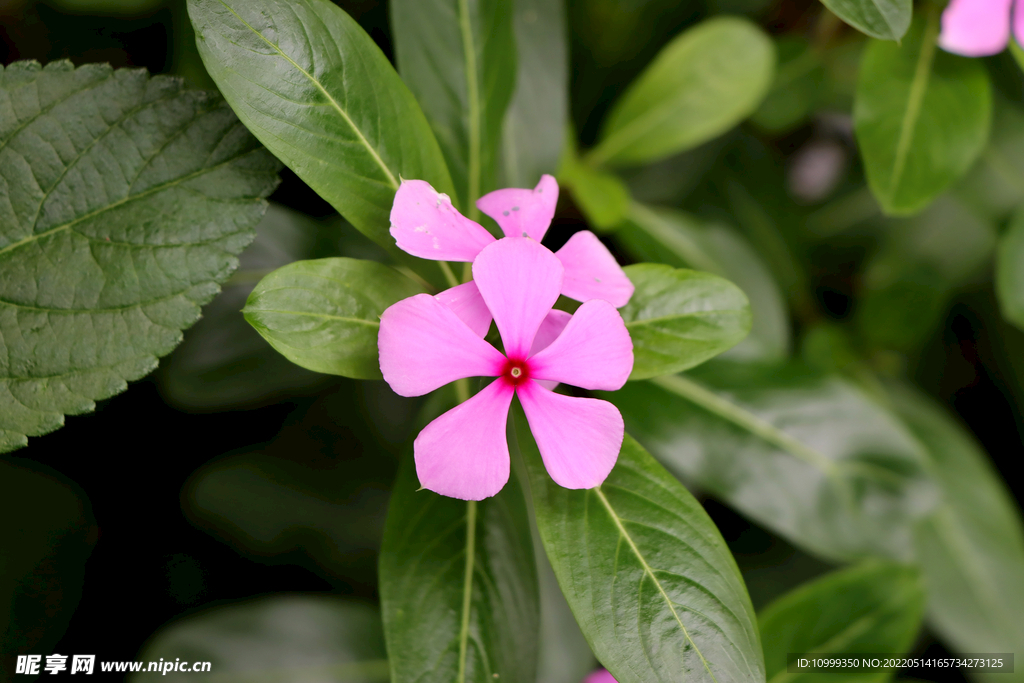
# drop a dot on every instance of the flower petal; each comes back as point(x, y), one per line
point(1018, 21)
point(579, 438)
point(518, 211)
point(554, 322)
point(519, 280)
point(424, 223)
point(594, 351)
point(423, 345)
point(466, 302)
point(975, 28)
point(464, 453)
point(600, 676)
point(591, 272)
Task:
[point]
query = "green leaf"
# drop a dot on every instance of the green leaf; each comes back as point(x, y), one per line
point(46, 544)
point(680, 318)
point(459, 58)
point(797, 89)
point(601, 196)
point(458, 586)
point(649, 578)
point(704, 82)
point(316, 90)
point(871, 607)
point(325, 314)
point(281, 638)
point(994, 186)
point(921, 116)
point(971, 549)
point(678, 239)
point(807, 455)
point(882, 19)
point(537, 117)
point(1010, 272)
point(124, 202)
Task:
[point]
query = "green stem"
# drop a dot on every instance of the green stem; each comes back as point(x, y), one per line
point(467, 587)
point(685, 248)
point(473, 95)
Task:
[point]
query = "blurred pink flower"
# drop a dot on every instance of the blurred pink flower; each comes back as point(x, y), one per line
point(425, 224)
point(464, 453)
point(977, 28)
point(600, 676)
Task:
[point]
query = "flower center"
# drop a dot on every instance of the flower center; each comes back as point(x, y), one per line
point(516, 372)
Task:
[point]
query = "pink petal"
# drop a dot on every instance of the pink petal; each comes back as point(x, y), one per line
point(518, 211)
point(591, 272)
point(1018, 22)
point(423, 345)
point(554, 322)
point(579, 438)
point(594, 351)
point(464, 453)
point(466, 302)
point(975, 28)
point(519, 280)
point(424, 223)
point(600, 676)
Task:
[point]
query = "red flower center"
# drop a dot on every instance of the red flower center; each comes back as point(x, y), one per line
point(516, 372)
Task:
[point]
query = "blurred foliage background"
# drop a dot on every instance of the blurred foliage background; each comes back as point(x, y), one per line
point(231, 474)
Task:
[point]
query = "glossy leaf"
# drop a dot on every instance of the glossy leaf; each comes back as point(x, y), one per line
point(708, 79)
point(537, 117)
point(318, 92)
point(678, 239)
point(680, 318)
point(971, 549)
point(807, 455)
point(458, 586)
point(325, 314)
point(882, 19)
point(289, 637)
point(459, 58)
point(649, 578)
point(123, 204)
point(1010, 272)
point(921, 117)
point(871, 607)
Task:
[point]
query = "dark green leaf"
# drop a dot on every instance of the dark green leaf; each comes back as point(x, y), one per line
point(797, 88)
point(882, 19)
point(458, 586)
point(994, 186)
point(46, 544)
point(537, 117)
point(921, 116)
point(807, 455)
point(282, 638)
point(971, 549)
point(871, 607)
point(602, 197)
point(1010, 272)
point(680, 318)
point(649, 578)
point(317, 91)
point(459, 58)
point(708, 79)
point(325, 314)
point(124, 203)
point(678, 239)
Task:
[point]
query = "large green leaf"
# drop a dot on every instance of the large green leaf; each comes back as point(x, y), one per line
point(325, 314)
point(882, 19)
point(807, 455)
point(458, 586)
point(459, 58)
point(873, 607)
point(649, 578)
point(971, 549)
point(1010, 272)
point(678, 239)
point(537, 117)
point(316, 90)
point(798, 88)
point(700, 85)
point(921, 116)
point(680, 318)
point(124, 202)
point(296, 638)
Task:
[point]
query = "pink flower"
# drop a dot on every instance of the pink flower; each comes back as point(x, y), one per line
point(977, 28)
point(464, 453)
point(424, 223)
point(600, 676)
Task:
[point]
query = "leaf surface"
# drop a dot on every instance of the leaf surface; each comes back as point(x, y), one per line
point(1010, 272)
point(882, 19)
point(124, 203)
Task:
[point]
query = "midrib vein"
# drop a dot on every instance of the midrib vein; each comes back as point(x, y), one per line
point(334, 103)
point(467, 587)
point(650, 572)
point(473, 95)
